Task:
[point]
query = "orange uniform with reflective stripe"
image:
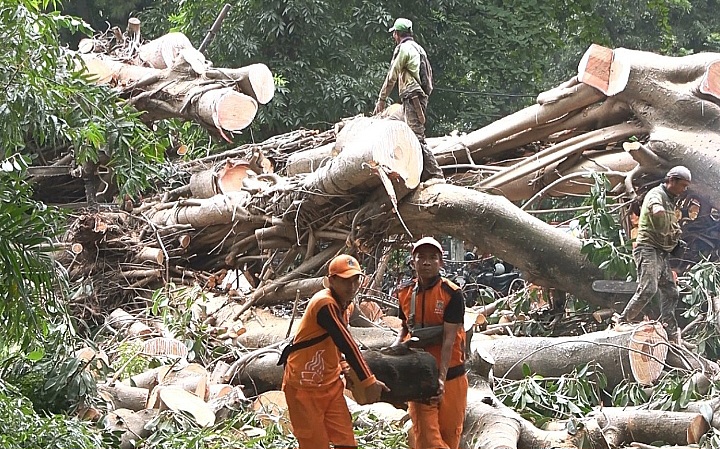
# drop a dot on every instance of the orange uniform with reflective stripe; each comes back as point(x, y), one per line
point(439, 425)
point(430, 306)
point(311, 382)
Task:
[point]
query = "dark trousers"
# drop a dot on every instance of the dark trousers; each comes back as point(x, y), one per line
point(655, 280)
point(431, 168)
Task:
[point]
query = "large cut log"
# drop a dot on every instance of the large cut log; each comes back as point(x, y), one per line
point(556, 356)
point(254, 80)
point(489, 424)
point(261, 373)
point(122, 396)
point(162, 52)
point(364, 147)
point(216, 210)
point(394, 367)
point(625, 426)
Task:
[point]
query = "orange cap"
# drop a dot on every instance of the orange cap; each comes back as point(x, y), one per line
point(344, 266)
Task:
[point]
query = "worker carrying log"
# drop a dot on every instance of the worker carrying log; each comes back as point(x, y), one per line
point(313, 363)
point(432, 310)
point(411, 70)
point(659, 237)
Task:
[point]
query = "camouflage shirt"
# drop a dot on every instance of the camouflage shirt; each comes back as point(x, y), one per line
point(661, 231)
point(404, 70)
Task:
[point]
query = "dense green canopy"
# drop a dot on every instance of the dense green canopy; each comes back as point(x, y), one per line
point(490, 58)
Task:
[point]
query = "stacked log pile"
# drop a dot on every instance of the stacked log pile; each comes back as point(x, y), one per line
point(269, 216)
point(167, 77)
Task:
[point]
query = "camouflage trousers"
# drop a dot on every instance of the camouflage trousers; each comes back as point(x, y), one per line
point(431, 169)
point(655, 280)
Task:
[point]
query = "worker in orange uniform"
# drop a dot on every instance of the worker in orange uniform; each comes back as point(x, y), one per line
point(313, 363)
point(431, 301)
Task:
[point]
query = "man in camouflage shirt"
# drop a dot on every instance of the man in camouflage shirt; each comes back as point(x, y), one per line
point(658, 236)
point(405, 71)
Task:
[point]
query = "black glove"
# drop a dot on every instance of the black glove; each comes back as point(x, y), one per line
point(679, 249)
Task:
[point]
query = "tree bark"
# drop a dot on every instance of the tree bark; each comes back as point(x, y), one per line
point(544, 254)
point(556, 356)
point(625, 426)
point(666, 95)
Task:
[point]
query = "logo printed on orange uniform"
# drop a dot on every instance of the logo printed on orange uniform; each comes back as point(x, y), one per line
point(439, 307)
point(312, 374)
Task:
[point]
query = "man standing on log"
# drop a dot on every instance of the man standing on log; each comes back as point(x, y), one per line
point(658, 237)
point(311, 382)
point(432, 310)
point(405, 70)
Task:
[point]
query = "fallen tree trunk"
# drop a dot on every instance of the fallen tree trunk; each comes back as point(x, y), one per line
point(544, 254)
point(671, 96)
point(625, 426)
point(611, 351)
point(554, 104)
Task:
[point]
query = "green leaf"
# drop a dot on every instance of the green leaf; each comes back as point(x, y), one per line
point(36, 355)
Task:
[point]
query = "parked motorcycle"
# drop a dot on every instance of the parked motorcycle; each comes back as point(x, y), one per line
point(490, 279)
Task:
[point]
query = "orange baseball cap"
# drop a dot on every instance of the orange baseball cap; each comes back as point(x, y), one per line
point(344, 266)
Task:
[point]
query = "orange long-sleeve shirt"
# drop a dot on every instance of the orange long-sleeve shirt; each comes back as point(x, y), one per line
point(318, 366)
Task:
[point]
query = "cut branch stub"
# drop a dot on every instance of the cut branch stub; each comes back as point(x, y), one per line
point(710, 84)
point(254, 80)
point(161, 53)
point(604, 69)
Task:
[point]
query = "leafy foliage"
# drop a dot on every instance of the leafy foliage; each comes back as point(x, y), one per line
point(245, 430)
point(48, 104)
point(26, 272)
point(21, 427)
point(178, 307)
point(605, 244)
point(540, 399)
point(704, 283)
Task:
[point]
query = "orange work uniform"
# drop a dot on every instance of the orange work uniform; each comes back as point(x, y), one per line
point(439, 426)
point(311, 382)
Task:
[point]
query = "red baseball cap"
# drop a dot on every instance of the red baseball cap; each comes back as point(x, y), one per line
point(344, 266)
